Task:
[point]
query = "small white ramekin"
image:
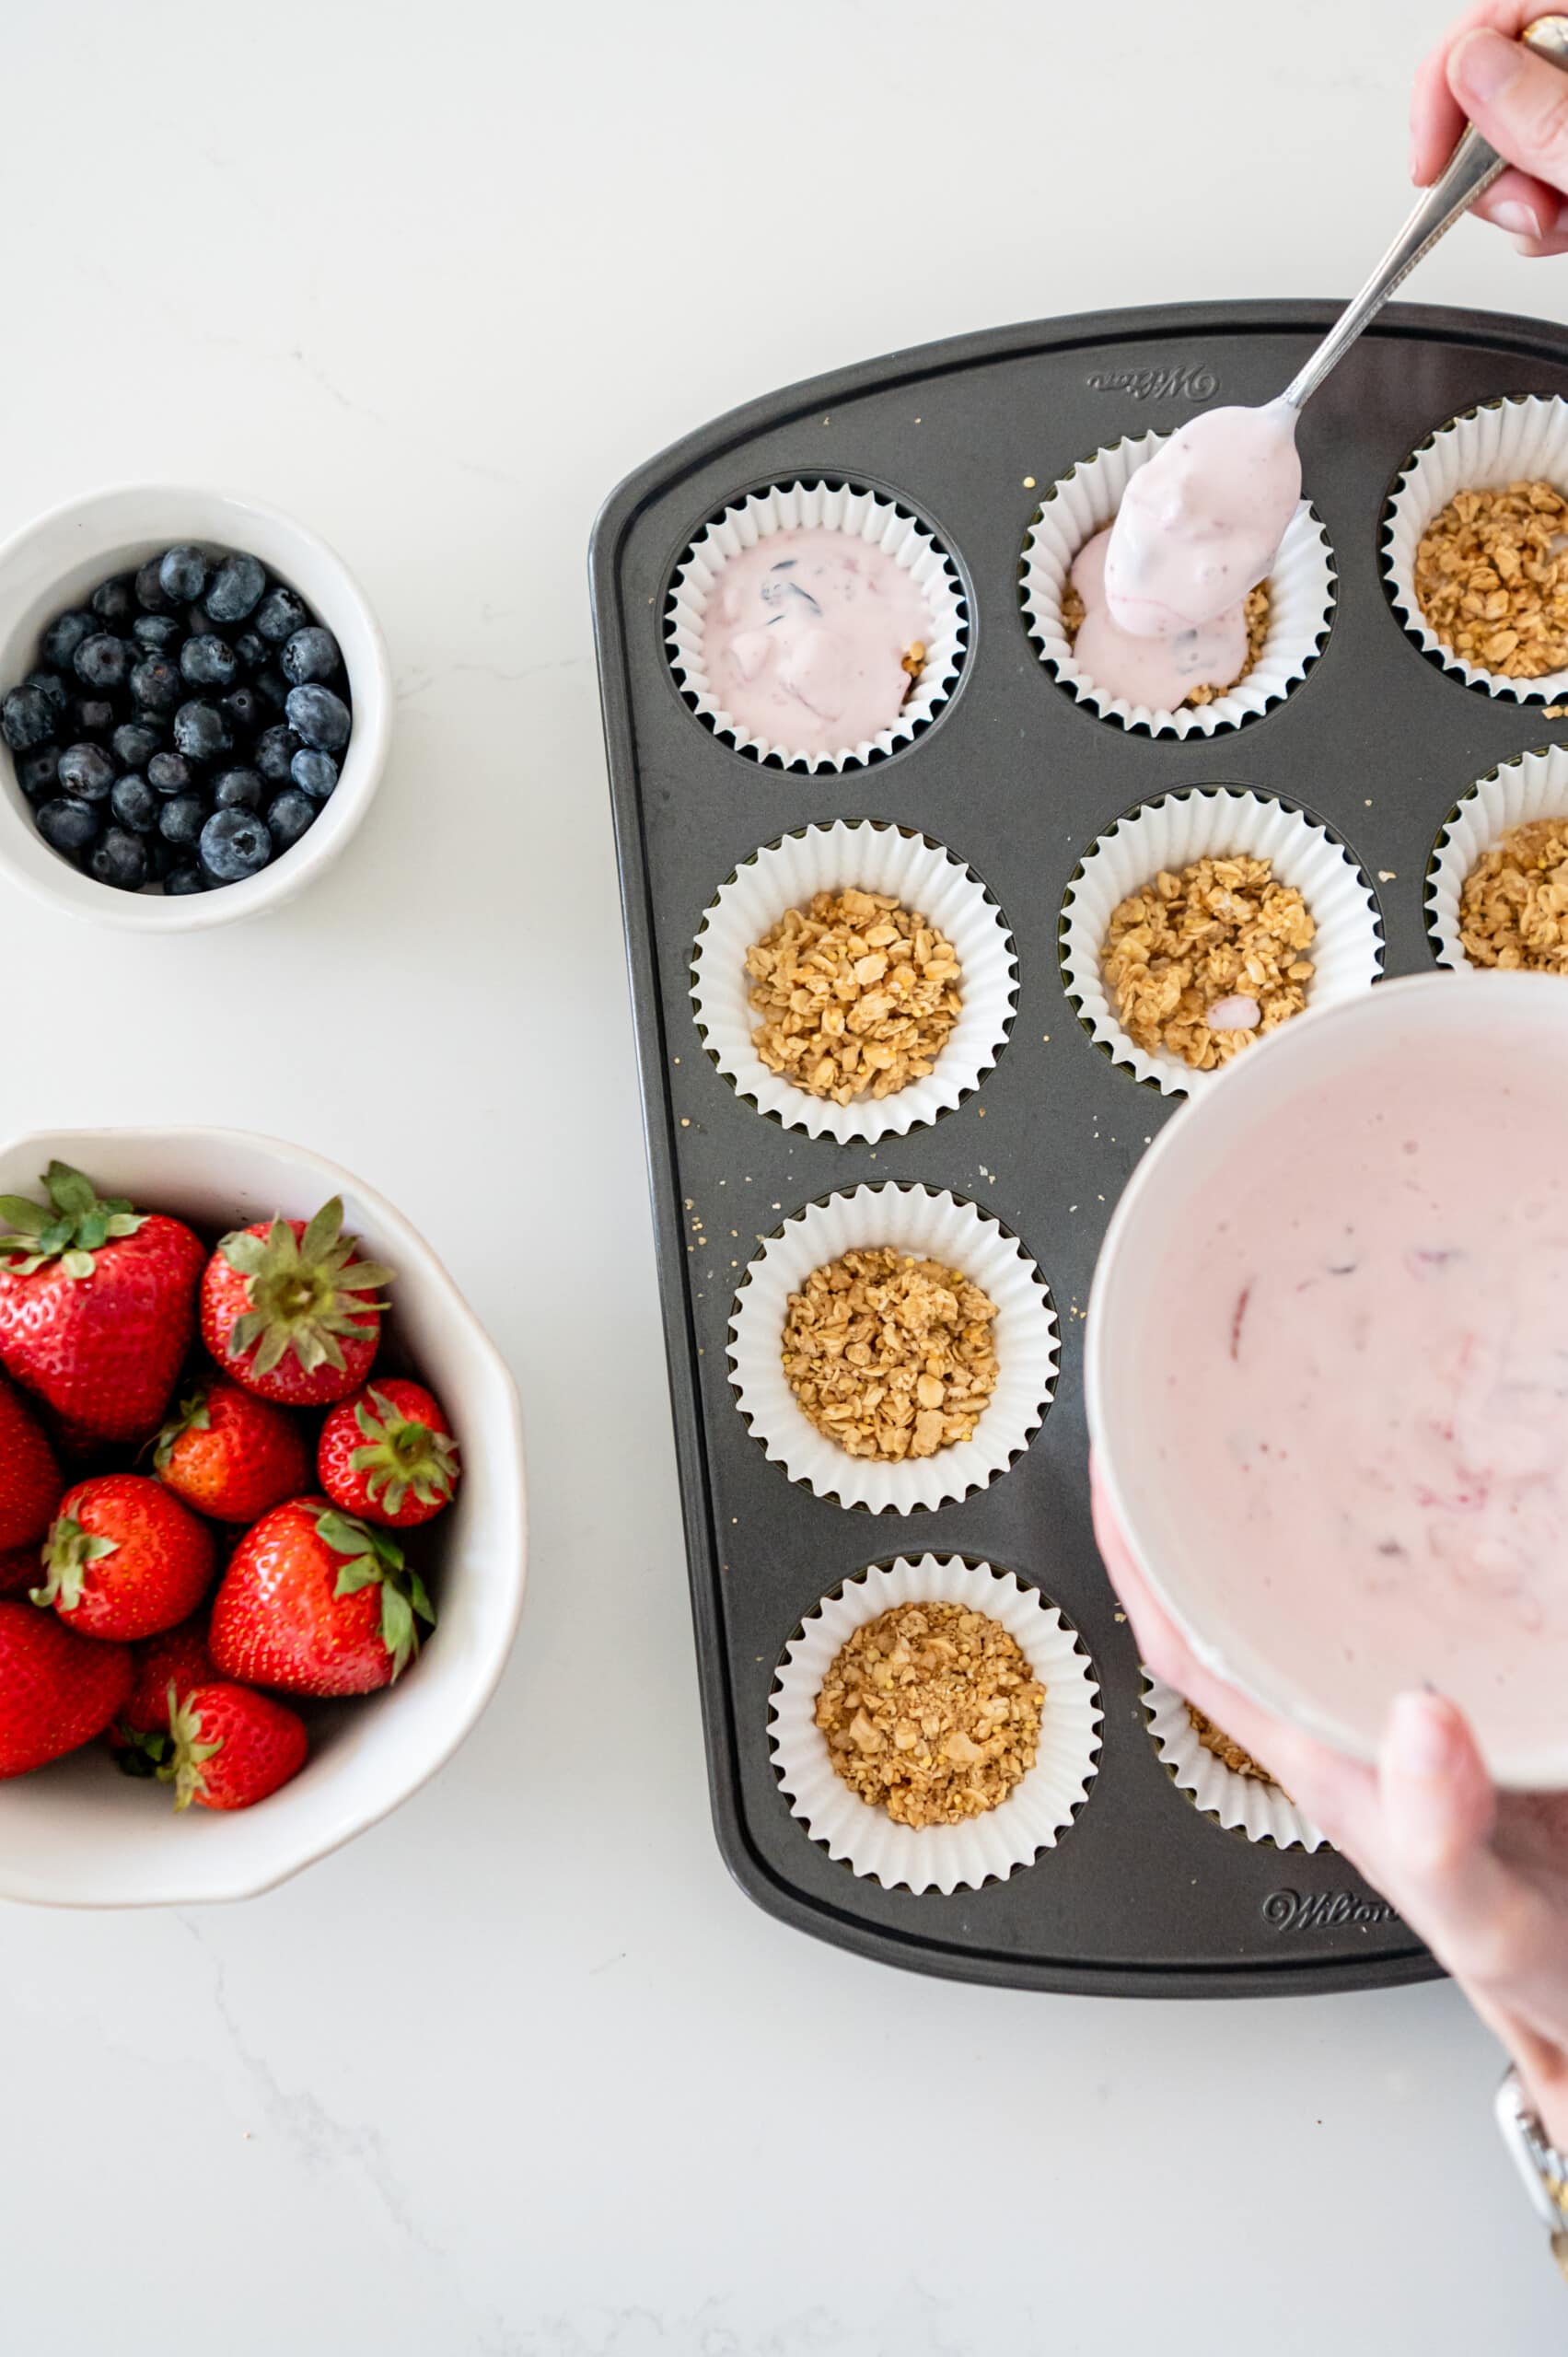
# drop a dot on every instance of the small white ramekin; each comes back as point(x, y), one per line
point(52, 563)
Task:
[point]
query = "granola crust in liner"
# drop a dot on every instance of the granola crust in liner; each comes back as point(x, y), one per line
point(1492, 579)
point(1514, 904)
point(856, 993)
point(1224, 933)
point(888, 1355)
point(1218, 1778)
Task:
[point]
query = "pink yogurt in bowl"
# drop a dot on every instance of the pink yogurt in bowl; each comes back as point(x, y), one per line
point(1327, 1365)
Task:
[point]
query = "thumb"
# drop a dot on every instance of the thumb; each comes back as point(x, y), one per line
point(1439, 1810)
point(1517, 100)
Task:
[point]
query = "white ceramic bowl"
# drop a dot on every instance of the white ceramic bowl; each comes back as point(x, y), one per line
point(77, 1833)
point(1290, 1649)
point(54, 561)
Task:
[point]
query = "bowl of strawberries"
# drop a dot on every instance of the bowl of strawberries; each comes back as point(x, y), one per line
point(262, 1527)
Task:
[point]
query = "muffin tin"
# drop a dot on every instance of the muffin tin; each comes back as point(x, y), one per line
point(1144, 1892)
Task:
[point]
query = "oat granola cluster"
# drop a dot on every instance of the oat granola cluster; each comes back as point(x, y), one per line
point(1225, 1747)
point(931, 1712)
point(1514, 907)
point(1257, 610)
point(1201, 963)
point(856, 992)
point(889, 1356)
point(1492, 579)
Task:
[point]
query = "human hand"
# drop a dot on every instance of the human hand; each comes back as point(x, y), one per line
point(1481, 72)
point(1480, 1876)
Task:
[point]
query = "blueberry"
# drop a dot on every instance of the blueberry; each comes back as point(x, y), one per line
point(310, 654)
point(156, 684)
point(238, 790)
point(272, 688)
point(316, 774)
point(320, 717)
point(86, 772)
point(69, 827)
point(103, 661)
point(136, 742)
point(150, 593)
point(252, 650)
point(114, 600)
point(183, 575)
point(280, 614)
point(169, 774)
point(27, 718)
point(237, 588)
point(207, 662)
point(50, 685)
point(37, 771)
point(179, 880)
point(275, 749)
point(288, 816)
point(134, 805)
point(181, 820)
point(64, 636)
point(156, 633)
point(244, 711)
point(163, 857)
point(119, 859)
point(89, 716)
point(201, 732)
point(235, 844)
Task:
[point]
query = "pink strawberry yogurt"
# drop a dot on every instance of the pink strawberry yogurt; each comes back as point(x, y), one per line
point(1152, 674)
point(805, 638)
point(1201, 524)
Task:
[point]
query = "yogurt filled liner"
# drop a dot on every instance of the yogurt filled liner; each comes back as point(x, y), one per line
point(1535, 785)
point(1242, 1804)
point(938, 1857)
point(1522, 438)
point(921, 1222)
point(794, 506)
point(1171, 833)
point(1301, 595)
point(870, 856)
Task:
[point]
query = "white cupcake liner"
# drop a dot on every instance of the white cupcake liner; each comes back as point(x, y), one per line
point(1522, 438)
point(1242, 1804)
point(1301, 598)
point(871, 856)
point(938, 1857)
point(1535, 785)
point(1173, 830)
point(794, 506)
point(921, 1222)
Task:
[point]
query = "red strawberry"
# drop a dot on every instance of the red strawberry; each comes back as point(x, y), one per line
point(19, 1570)
point(230, 1455)
point(30, 1482)
point(97, 1306)
point(316, 1603)
point(288, 1309)
point(231, 1748)
point(179, 1657)
point(56, 1689)
point(124, 1559)
point(387, 1454)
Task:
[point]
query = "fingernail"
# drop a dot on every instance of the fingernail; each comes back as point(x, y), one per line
point(1421, 1741)
point(1519, 220)
point(1483, 66)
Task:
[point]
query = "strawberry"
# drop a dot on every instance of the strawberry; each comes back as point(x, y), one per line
point(124, 1559)
point(288, 1309)
point(231, 1748)
point(317, 1603)
point(57, 1690)
point(387, 1455)
point(179, 1657)
point(19, 1570)
point(97, 1306)
point(29, 1477)
point(230, 1455)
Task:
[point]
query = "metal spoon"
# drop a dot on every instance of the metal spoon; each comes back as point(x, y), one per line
point(1469, 172)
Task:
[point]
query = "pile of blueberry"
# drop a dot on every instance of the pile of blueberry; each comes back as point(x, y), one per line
point(184, 727)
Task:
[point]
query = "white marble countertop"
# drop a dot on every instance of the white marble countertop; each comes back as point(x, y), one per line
point(521, 2070)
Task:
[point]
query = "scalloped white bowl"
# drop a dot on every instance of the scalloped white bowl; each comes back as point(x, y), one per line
point(77, 1833)
point(58, 558)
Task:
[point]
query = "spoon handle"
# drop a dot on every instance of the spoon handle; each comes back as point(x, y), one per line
point(1469, 170)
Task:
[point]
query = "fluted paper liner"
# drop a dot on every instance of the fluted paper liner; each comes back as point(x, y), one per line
point(920, 1222)
point(1214, 822)
point(1264, 1812)
point(1535, 785)
point(1523, 438)
point(1301, 598)
point(796, 506)
point(938, 1857)
point(871, 856)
